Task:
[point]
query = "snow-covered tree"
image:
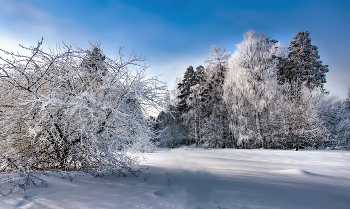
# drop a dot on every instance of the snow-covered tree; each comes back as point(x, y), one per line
point(74, 109)
point(171, 130)
point(215, 126)
point(170, 127)
point(194, 116)
point(296, 121)
point(336, 121)
point(347, 101)
point(303, 64)
point(251, 87)
point(184, 87)
point(189, 102)
point(302, 68)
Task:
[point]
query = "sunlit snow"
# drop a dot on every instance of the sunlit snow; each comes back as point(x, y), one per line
point(198, 178)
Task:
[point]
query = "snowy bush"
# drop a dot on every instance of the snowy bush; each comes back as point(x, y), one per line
point(74, 109)
point(336, 120)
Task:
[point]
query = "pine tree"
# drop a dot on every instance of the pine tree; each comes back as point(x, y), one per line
point(347, 101)
point(184, 87)
point(186, 101)
point(215, 73)
point(95, 67)
point(302, 67)
point(303, 64)
point(216, 123)
point(196, 101)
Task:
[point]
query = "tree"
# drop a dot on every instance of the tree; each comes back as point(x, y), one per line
point(347, 101)
point(170, 128)
point(303, 64)
point(215, 125)
point(302, 67)
point(215, 75)
point(186, 101)
point(336, 120)
point(74, 110)
point(297, 121)
point(184, 87)
point(251, 87)
point(195, 101)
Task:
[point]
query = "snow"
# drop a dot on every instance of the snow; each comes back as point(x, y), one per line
point(198, 178)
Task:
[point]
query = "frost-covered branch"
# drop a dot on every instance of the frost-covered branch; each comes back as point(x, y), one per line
point(75, 110)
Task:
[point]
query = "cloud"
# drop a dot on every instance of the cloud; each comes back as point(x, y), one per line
point(25, 22)
point(29, 22)
point(25, 9)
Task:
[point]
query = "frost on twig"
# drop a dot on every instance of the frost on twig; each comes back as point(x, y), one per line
point(21, 180)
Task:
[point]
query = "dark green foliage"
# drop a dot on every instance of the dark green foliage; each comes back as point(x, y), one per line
point(303, 64)
point(184, 87)
point(347, 101)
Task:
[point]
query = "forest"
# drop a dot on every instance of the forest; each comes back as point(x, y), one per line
point(264, 95)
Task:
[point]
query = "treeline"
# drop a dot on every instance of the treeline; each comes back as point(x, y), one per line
point(261, 96)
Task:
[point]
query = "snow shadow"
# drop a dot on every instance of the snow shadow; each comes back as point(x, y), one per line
point(199, 189)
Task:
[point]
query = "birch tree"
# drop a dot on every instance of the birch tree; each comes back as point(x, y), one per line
point(251, 87)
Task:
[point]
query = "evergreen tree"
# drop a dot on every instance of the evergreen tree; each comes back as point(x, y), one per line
point(303, 64)
point(196, 102)
point(215, 73)
point(347, 101)
point(95, 67)
point(302, 67)
point(169, 127)
point(216, 131)
point(184, 87)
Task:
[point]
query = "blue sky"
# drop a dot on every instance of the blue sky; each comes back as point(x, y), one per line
point(176, 34)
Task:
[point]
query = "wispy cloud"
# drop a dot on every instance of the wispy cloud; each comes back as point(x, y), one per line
point(24, 8)
point(25, 16)
point(29, 23)
point(176, 34)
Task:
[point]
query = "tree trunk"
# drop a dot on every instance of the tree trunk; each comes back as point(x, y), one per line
point(196, 131)
point(258, 128)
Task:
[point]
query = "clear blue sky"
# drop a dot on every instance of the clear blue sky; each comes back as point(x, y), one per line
point(176, 34)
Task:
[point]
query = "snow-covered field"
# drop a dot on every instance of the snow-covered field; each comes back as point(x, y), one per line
point(197, 178)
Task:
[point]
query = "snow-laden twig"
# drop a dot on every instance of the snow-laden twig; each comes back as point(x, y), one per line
point(77, 109)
